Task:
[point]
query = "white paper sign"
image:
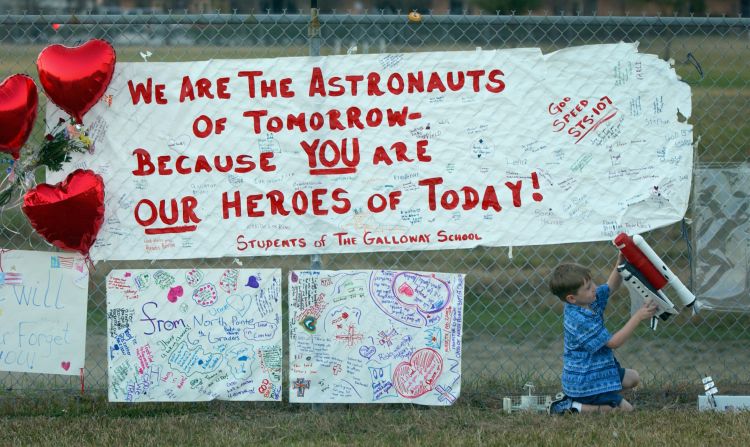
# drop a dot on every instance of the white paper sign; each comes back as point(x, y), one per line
point(194, 335)
point(419, 151)
point(43, 298)
point(380, 336)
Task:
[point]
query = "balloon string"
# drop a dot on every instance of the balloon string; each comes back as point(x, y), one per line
point(89, 264)
point(7, 185)
point(2, 252)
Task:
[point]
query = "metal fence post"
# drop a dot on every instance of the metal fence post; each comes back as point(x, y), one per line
point(313, 33)
point(313, 30)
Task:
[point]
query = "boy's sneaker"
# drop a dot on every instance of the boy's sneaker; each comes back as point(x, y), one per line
point(561, 404)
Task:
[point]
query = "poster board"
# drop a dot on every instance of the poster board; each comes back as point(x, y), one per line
point(194, 334)
point(380, 336)
point(43, 300)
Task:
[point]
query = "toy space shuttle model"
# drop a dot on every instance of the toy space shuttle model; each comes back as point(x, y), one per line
point(645, 274)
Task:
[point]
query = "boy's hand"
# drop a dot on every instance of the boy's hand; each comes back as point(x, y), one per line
point(646, 311)
point(620, 258)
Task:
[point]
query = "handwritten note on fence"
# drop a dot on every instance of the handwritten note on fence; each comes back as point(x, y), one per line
point(194, 335)
point(375, 336)
point(421, 151)
point(43, 298)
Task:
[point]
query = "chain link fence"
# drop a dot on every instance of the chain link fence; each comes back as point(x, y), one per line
point(512, 325)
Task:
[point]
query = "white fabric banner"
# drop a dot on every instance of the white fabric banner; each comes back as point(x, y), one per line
point(382, 336)
point(194, 335)
point(418, 151)
point(43, 298)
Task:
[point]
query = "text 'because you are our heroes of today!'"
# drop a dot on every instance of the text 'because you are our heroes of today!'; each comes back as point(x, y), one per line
point(347, 151)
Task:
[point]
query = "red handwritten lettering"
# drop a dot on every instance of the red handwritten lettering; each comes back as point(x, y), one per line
point(335, 158)
point(244, 243)
point(469, 197)
point(146, 214)
point(300, 203)
point(183, 165)
point(398, 83)
point(332, 119)
point(140, 91)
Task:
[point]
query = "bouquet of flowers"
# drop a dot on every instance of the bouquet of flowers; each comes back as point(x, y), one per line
point(64, 139)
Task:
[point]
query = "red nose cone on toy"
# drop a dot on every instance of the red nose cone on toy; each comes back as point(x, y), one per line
point(636, 257)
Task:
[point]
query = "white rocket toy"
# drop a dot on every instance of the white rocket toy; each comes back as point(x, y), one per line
point(645, 274)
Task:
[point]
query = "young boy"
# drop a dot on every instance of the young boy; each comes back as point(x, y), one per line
point(592, 377)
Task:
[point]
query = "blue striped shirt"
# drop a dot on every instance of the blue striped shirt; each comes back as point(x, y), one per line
point(588, 364)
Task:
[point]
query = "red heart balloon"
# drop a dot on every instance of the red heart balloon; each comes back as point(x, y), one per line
point(69, 214)
point(18, 101)
point(76, 78)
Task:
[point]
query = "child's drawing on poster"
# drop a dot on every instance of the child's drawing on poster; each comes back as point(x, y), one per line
point(43, 297)
point(377, 336)
point(194, 335)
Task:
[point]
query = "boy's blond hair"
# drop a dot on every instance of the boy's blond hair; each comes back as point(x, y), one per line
point(567, 279)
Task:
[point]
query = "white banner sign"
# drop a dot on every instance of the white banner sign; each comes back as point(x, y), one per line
point(43, 298)
point(419, 151)
point(375, 336)
point(194, 335)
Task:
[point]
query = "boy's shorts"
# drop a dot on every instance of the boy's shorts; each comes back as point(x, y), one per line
point(611, 398)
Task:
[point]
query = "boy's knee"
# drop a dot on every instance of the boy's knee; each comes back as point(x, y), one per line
point(631, 379)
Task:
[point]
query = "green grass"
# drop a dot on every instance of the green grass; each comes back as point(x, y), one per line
point(381, 427)
point(666, 418)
